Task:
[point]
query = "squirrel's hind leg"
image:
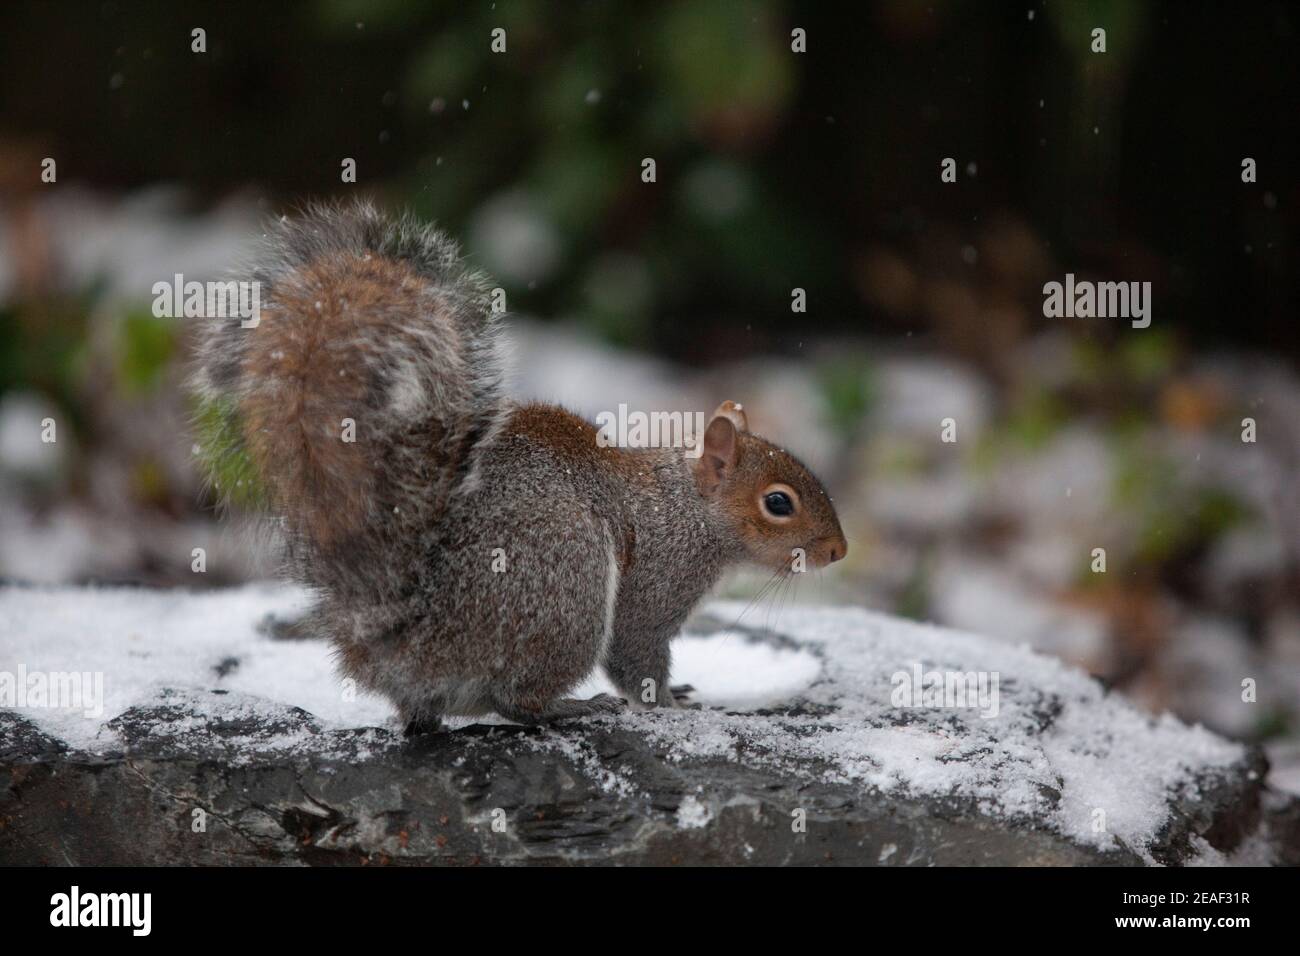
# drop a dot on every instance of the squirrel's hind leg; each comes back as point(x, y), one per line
point(422, 719)
point(416, 726)
point(562, 708)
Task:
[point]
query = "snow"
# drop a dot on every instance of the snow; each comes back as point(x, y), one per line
point(692, 814)
point(125, 246)
point(22, 450)
point(148, 641)
point(729, 674)
point(917, 394)
point(1059, 751)
point(192, 643)
point(977, 594)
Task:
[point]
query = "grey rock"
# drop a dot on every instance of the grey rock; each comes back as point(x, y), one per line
point(270, 785)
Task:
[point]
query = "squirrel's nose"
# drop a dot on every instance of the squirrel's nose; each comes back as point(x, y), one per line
point(838, 548)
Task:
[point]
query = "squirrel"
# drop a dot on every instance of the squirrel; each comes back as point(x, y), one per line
point(471, 554)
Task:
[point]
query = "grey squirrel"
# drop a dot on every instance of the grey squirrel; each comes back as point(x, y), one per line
point(471, 554)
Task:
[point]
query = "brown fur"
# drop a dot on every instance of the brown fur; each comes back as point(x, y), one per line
point(401, 532)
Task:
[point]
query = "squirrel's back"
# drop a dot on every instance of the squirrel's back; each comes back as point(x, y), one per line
point(363, 395)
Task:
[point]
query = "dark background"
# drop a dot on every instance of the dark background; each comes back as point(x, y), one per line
point(839, 148)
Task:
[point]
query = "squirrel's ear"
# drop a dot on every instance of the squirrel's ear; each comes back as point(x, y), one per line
point(718, 456)
point(735, 412)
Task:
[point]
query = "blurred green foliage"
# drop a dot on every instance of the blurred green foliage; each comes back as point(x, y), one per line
point(848, 388)
point(589, 95)
point(43, 347)
point(224, 457)
point(146, 345)
point(1036, 418)
point(1173, 515)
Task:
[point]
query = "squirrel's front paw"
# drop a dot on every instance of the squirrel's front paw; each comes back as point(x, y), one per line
point(600, 704)
point(606, 704)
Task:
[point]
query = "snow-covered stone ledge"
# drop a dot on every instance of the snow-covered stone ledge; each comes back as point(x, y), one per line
point(222, 736)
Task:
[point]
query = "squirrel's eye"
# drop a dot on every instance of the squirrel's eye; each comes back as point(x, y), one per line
point(778, 503)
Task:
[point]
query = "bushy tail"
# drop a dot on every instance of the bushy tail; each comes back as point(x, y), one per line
point(360, 399)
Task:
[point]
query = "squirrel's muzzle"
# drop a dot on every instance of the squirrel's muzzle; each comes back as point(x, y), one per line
point(830, 550)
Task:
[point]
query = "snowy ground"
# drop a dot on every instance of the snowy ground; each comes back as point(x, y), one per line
point(1050, 747)
point(148, 641)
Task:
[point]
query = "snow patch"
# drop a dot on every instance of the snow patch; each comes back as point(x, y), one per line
point(692, 814)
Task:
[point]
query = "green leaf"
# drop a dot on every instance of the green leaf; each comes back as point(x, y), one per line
point(145, 346)
point(224, 457)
